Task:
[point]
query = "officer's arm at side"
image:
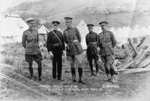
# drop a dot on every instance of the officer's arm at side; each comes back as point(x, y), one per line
point(38, 38)
point(78, 35)
point(99, 42)
point(48, 43)
point(86, 40)
point(63, 43)
point(65, 38)
point(113, 39)
point(24, 40)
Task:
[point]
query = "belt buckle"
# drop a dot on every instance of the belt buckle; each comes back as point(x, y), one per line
point(56, 44)
point(75, 41)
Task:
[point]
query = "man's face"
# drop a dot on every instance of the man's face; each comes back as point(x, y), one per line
point(90, 28)
point(68, 23)
point(103, 27)
point(32, 24)
point(55, 26)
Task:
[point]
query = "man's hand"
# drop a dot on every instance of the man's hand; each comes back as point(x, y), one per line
point(98, 49)
point(24, 46)
point(51, 54)
point(67, 47)
point(64, 52)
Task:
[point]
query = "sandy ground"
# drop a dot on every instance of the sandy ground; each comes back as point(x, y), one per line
point(128, 87)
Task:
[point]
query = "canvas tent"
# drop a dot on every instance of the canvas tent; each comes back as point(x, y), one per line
point(137, 33)
point(58, 30)
point(43, 30)
point(82, 27)
point(113, 30)
point(97, 29)
point(11, 29)
point(122, 35)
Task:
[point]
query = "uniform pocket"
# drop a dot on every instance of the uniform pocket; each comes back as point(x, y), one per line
point(111, 48)
point(78, 47)
point(29, 44)
point(29, 49)
point(38, 49)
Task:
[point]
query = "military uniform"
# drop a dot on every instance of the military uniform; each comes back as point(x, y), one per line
point(73, 39)
point(56, 46)
point(106, 43)
point(72, 36)
point(30, 41)
point(92, 49)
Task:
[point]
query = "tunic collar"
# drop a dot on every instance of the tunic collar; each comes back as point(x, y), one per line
point(31, 30)
point(104, 32)
point(69, 27)
point(55, 31)
point(91, 32)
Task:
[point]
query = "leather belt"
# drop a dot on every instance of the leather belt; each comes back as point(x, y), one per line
point(106, 44)
point(56, 44)
point(75, 40)
point(91, 43)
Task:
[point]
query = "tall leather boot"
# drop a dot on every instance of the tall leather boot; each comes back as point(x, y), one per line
point(91, 66)
point(107, 73)
point(112, 72)
point(80, 71)
point(31, 70)
point(39, 71)
point(97, 69)
point(73, 72)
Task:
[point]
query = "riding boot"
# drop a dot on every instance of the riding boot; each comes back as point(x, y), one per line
point(107, 73)
point(112, 72)
point(39, 71)
point(80, 71)
point(31, 70)
point(73, 72)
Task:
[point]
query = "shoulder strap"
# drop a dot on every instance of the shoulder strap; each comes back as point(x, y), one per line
point(88, 35)
point(29, 32)
point(67, 34)
point(57, 36)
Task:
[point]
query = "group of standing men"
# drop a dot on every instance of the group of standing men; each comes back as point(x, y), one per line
point(101, 44)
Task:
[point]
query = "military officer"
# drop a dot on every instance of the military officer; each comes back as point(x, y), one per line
point(107, 42)
point(73, 39)
point(55, 46)
point(92, 48)
point(30, 41)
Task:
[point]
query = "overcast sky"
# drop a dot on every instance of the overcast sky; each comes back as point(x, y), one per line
point(5, 4)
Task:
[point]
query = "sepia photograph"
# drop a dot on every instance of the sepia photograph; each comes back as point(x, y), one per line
point(74, 50)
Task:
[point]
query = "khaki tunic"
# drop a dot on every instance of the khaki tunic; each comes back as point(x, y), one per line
point(92, 43)
point(54, 44)
point(30, 41)
point(107, 42)
point(70, 35)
